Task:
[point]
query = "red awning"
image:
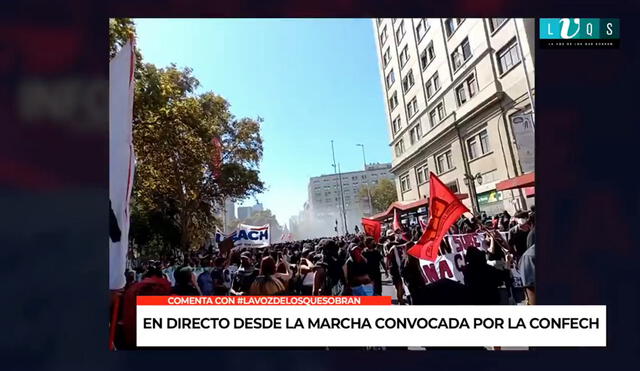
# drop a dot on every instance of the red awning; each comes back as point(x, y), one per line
point(530, 191)
point(522, 181)
point(423, 202)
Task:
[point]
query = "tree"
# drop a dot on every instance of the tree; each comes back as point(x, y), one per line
point(265, 217)
point(383, 194)
point(192, 153)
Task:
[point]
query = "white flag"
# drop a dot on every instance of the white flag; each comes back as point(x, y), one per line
point(121, 159)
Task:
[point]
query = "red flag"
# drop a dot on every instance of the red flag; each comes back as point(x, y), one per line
point(444, 209)
point(372, 228)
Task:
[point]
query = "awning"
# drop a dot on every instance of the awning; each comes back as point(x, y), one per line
point(408, 206)
point(522, 181)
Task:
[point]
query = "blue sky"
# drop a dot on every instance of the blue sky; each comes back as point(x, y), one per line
point(312, 80)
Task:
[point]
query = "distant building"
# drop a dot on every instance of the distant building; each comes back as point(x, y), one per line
point(244, 212)
point(257, 207)
point(325, 196)
point(230, 210)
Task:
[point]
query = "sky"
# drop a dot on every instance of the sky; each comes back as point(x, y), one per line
point(312, 80)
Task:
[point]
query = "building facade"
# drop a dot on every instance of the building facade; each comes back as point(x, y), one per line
point(244, 212)
point(325, 196)
point(453, 88)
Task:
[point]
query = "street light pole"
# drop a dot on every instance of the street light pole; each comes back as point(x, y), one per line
point(364, 160)
point(339, 179)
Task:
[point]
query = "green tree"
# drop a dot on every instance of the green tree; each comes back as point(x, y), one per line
point(383, 194)
point(181, 177)
point(265, 217)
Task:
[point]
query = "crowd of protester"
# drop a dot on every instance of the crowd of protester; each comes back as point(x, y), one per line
point(353, 264)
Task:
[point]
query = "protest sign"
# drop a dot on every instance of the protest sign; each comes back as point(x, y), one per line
point(248, 236)
point(450, 265)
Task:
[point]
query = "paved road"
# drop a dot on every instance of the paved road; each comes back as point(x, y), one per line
point(388, 289)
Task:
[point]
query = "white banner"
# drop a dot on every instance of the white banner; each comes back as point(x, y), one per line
point(450, 265)
point(370, 325)
point(248, 236)
point(121, 160)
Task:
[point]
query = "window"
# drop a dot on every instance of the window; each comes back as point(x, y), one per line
point(461, 54)
point(404, 56)
point(415, 133)
point(466, 90)
point(412, 107)
point(399, 148)
point(422, 28)
point(437, 114)
point(391, 78)
point(383, 36)
point(495, 23)
point(407, 82)
point(405, 184)
point(422, 174)
point(478, 145)
point(427, 56)
point(393, 101)
point(397, 124)
point(386, 57)
point(508, 57)
point(461, 94)
point(453, 186)
point(451, 25)
point(444, 162)
point(433, 85)
point(400, 32)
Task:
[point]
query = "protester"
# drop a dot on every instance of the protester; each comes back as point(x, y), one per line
point(375, 261)
point(266, 283)
point(518, 233)
point(205, 281)
point(329, 278)
point(481, 279)
point(184, 282)
point(245, 276)
point(528, 269)
point(359, 283)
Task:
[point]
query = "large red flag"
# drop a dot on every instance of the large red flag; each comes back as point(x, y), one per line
point(372, 228)
point(444, 209)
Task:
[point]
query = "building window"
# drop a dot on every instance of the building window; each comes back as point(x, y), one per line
point(433, 85)
point(397, 124)
point(453, 186)
point(466, 90)
point(422, 174)
point(451, 25)
point(405, 183)
point(399, 148)
point(508, 57)
point(478, 145)
point(412, 107)
point(437, 114)
point(444, 162)
point(391, 78)
point(404, 56)
point(383, 36)
point(461, 54)
point(422, 28)
point(393, 101)
point(387, 57)
point(407, 82)
point(400, 32)
point(415, 133)
point(495, 23)
point(427, 56)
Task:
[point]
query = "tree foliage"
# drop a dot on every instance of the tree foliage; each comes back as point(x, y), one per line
point(383, 194)
point(265, 217)
point(180, 183)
